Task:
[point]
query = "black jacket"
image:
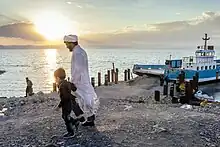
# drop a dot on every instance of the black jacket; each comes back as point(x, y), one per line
point(65, 89)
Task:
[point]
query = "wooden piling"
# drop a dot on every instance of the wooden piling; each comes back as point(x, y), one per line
point(116, 76)
point(106, 80)
point(174, 100)
point(108, 72)
point(181, 78)
point(113, 66)
point(216, 75)
point(177, 86)
point(54, 87)
point(188, 94)
point(99, 79)
point(194, 84)
point(197, 77)
point(129, 74)
point(175, 92)
point(165, 89)
point(183, 74)
point(125, 75)
point(157, 95)
point(93, 81)
point(113, 75)
point(172, 90)
point(161, 80)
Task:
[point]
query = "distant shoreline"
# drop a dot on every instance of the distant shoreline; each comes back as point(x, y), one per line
point(30, 47)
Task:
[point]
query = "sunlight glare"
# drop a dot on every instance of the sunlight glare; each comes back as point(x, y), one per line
point(53, 26)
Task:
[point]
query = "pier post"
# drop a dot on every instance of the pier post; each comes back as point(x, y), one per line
point(172, 90)
point(99, 79)
point(113, 75)
point(165, 89)
point(190, 88)
point(113, 66)
point(108, 75)
point(175, 94)
point(188, 94)
point(194, 84)
point(106, 80)
point(93, 81)
point(182, 77)
point(157, 95)
point(129, 74)
point(197, 81)
point(54, 87)
point(161, 80)
point(125, 75)
point(217, 76)
point(116, 76)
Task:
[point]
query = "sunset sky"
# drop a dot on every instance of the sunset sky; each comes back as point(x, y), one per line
point(106, 23)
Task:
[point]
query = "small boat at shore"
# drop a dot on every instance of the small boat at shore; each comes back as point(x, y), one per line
point(2, 71)
point(202, 63)
point(150, 70)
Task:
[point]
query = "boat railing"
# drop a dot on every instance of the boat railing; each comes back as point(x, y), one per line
point(138, 66)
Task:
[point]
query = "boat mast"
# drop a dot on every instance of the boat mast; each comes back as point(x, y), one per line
point(206, 39)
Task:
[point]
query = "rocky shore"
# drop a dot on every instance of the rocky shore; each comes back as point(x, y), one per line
point(128, 116)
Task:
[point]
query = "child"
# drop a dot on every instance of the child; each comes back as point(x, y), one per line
point(68, 102)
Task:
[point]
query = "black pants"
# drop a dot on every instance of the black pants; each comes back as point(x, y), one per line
point(66, 111)
point(69, 121)
point(29, 91)
point(76, 109)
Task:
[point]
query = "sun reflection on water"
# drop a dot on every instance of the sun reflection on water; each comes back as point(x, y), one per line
point(51, 58)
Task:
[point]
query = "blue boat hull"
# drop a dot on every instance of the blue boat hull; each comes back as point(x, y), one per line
point(204, 75)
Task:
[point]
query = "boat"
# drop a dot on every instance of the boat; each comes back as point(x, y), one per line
point(202, 63)
point(2, 71)
point(150, 70)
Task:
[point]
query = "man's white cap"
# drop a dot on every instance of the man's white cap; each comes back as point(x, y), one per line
point(70, 38)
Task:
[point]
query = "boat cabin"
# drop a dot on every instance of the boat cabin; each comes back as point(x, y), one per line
point(173, 63)
point(203, 59)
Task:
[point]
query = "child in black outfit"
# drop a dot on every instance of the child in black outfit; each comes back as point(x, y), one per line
point(68, 102)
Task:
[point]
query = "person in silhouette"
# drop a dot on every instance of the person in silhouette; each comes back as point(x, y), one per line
point(68, 102)
point(29, 88)
point(80, 77)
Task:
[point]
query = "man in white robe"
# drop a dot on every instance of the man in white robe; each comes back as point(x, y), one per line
point(80, 77)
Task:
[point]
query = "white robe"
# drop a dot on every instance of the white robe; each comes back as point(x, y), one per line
point(80, 77)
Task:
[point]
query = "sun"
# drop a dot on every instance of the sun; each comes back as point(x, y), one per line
point(53, 26)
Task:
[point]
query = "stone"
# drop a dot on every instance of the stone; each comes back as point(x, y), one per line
point(22, 102)
point(40, 93)
point(41, 99)
point(1, 107)
point(51, 145)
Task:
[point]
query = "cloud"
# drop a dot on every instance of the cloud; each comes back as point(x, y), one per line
point(4, 17)
point(17, 41)
point(185, 33)
point(21, 30)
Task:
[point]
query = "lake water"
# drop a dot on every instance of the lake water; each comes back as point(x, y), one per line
point(39, 65)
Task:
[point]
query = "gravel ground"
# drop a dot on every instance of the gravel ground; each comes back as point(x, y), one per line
point(128, 117)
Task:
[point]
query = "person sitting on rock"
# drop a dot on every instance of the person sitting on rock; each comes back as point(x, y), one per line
point(68, 102)
point(29, 89)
